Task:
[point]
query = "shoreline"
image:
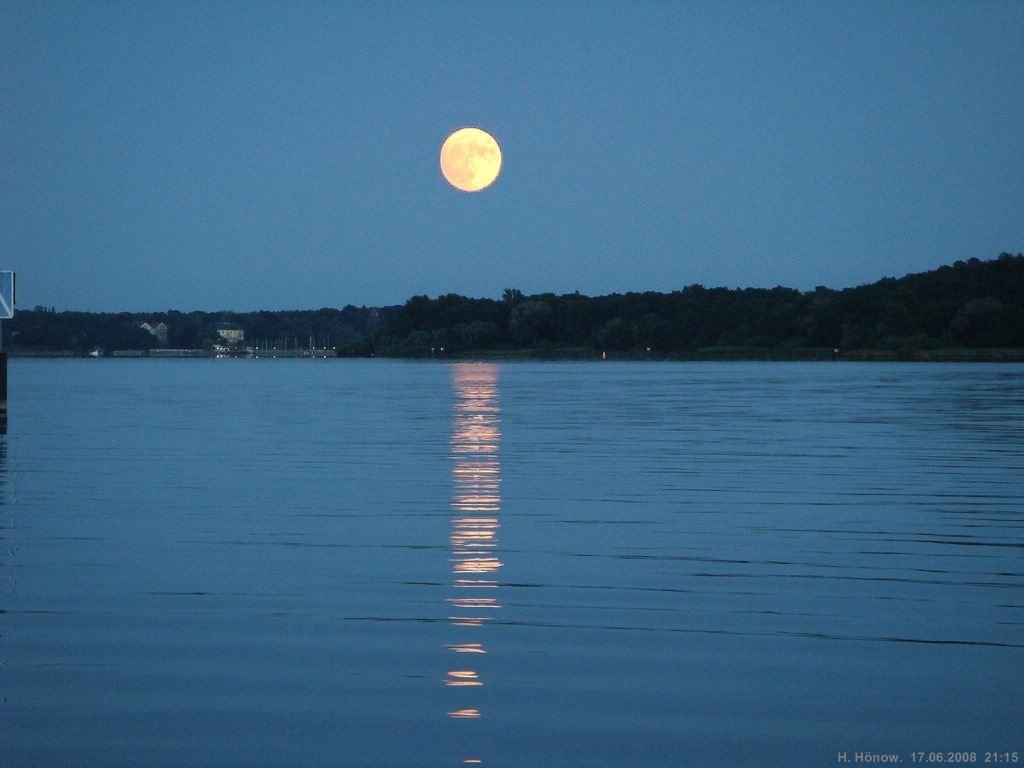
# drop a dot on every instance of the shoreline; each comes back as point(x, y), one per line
point(713, 354)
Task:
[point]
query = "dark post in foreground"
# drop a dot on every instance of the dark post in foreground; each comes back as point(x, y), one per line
point(3, 392)
point(7, 295)
point(3, 383)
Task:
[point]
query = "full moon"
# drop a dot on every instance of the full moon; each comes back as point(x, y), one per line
point(470, 159)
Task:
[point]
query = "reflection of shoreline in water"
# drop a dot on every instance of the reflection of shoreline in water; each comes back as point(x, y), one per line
point(476, 502)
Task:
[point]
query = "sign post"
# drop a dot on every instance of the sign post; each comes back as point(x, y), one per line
point(6, 313)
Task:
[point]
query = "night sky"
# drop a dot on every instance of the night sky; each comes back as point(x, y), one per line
point(284, 155)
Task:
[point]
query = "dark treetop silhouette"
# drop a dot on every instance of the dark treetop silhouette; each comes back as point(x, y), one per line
point(970, 309)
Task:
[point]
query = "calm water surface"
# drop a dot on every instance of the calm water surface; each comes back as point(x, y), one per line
point(370, 563)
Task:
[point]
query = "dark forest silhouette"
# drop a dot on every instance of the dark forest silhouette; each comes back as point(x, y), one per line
point(973, 306)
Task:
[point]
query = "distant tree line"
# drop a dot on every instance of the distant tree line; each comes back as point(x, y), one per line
point(970, 305)
point(44, 330)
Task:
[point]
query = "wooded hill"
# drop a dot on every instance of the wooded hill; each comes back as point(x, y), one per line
point(972, 309)
point(973, 305)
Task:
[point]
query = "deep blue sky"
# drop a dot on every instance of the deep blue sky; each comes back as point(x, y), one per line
point(246, 155)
